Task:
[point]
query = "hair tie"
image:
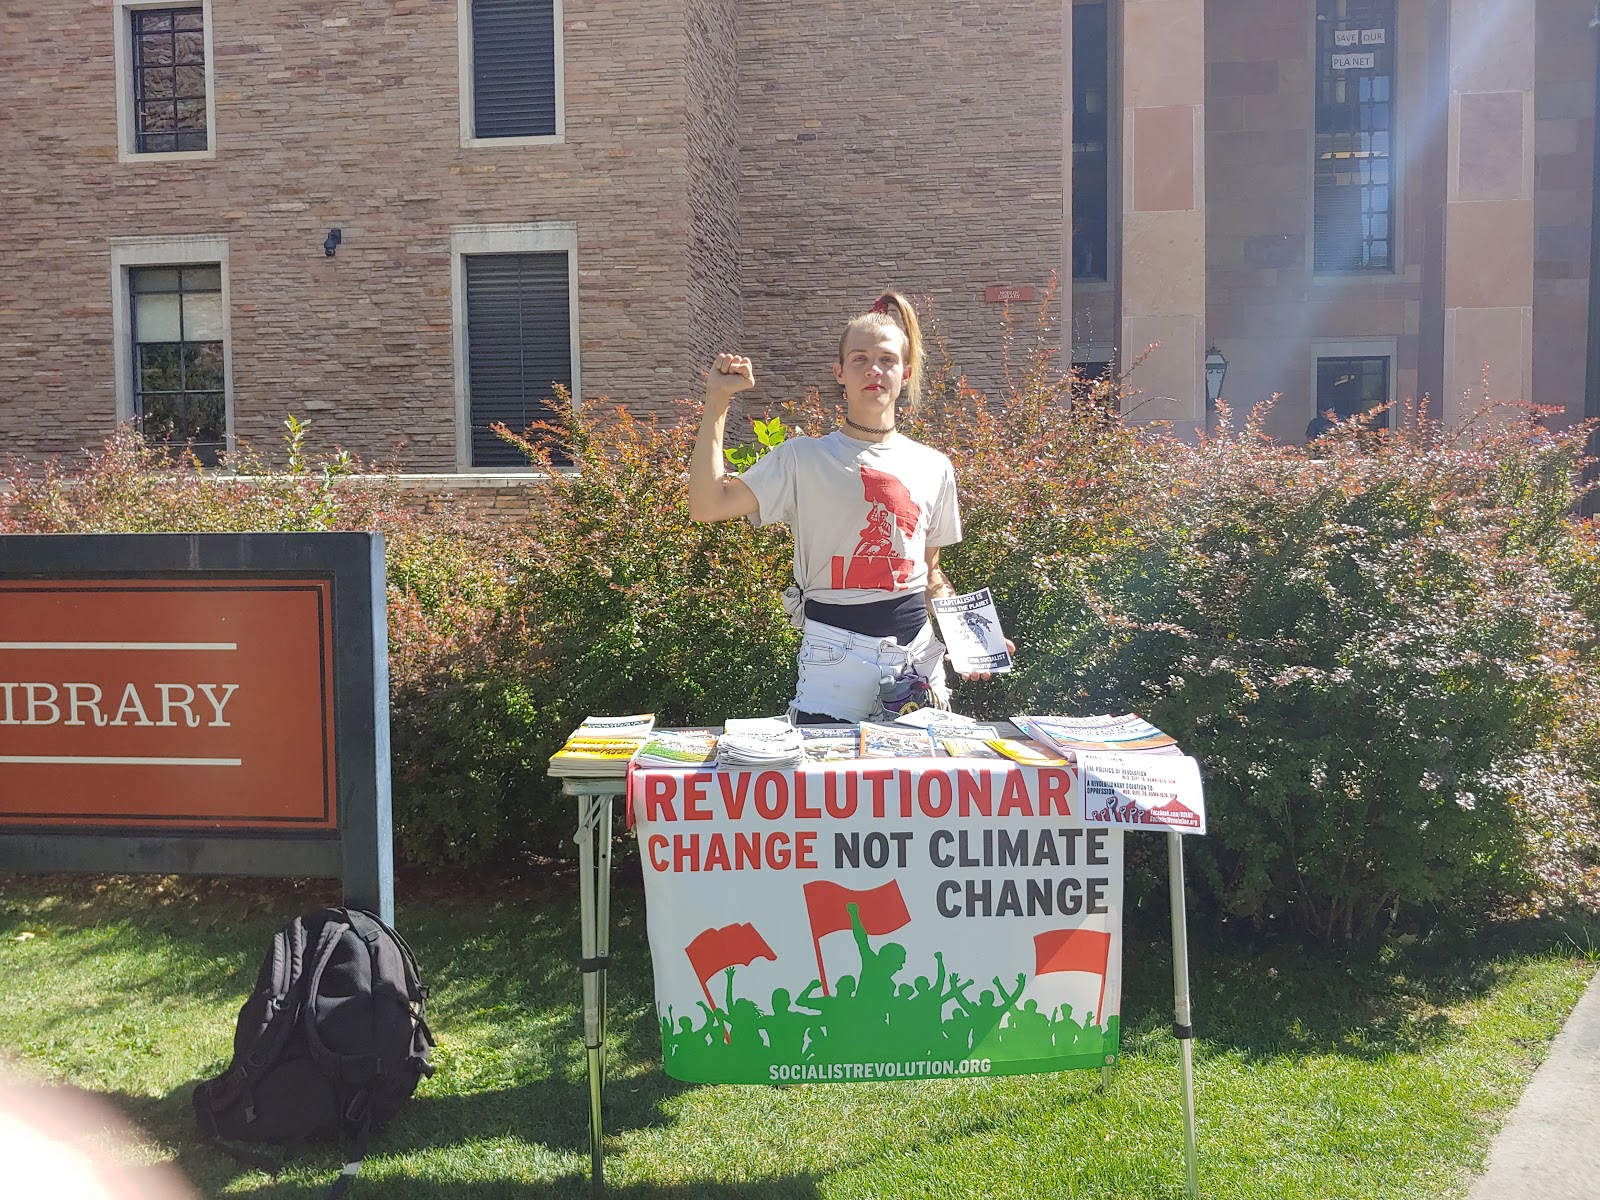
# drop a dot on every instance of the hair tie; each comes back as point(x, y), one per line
point(882, 305)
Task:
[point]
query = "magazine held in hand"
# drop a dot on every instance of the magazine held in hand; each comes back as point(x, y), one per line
point(970, 629)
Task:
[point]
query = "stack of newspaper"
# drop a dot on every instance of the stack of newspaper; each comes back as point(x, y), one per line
point(760, 742)
point(678, 748)
point(602, 746)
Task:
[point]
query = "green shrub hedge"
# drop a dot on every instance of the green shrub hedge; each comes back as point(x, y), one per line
point(1383, 655)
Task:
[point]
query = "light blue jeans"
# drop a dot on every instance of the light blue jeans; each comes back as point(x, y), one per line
point(840, 671)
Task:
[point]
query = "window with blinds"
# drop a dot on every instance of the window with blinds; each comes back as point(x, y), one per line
point(1354, 211)
point(519, 345)
point(513, 68)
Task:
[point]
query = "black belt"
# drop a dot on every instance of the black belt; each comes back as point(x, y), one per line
point(902, 617)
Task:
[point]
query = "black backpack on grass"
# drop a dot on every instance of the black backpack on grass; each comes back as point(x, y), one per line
point(330, 1044)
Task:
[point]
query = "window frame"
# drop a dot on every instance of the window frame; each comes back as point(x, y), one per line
point(134, 252)
point(127, 118)
point(1397, 164)
point(1113, 162)
point(466, 74)
point(537, 237)
point(1389, 348)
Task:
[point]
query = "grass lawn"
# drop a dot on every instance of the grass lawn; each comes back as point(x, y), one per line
point(1319, 1075)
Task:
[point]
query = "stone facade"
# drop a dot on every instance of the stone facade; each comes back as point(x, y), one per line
point(914, 144)
point(1468, 192)
point(751, 173)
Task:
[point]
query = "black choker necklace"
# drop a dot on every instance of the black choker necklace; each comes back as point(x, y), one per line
point(865, 428)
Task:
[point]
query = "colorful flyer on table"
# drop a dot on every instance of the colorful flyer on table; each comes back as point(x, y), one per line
point(970, 629)
point(1134, 789)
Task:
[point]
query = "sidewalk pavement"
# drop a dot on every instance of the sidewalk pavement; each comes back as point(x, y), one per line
point(1549, 1147)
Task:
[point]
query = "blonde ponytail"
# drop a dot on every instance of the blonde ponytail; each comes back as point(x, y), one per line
point(893, 309)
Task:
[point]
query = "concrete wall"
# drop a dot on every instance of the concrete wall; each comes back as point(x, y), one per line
point(1268, 312)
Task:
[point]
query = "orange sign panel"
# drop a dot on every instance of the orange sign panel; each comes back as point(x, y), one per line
point(167, 702)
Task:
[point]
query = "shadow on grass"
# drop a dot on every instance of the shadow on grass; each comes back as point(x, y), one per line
point(1265, 997)
point(549, 1115)
point(506, 1005)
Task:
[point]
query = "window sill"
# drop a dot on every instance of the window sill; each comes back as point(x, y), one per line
point(544, 139)
point(1357, 279)
point(132, 156)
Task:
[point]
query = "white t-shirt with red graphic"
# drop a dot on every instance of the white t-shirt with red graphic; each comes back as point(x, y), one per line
point(863, 514)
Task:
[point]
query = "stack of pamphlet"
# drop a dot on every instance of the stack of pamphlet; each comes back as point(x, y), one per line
point(1071, 734)
point(678, 748)
point(769, 742)
point(602, 746)
point(894, 741)
point(829, 743)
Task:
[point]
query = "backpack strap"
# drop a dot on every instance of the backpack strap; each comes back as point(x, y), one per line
point(352, 1167)
point(288, 982)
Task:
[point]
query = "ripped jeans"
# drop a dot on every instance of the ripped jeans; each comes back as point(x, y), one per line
point(840, 671)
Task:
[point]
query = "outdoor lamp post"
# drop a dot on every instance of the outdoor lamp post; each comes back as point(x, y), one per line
point(1216, 372)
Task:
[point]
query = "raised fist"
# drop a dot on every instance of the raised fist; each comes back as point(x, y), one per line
point(729, 375)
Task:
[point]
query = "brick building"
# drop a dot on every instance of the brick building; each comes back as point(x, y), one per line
point(406, 218)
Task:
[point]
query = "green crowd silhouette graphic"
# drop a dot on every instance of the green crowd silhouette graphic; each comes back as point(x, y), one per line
point(871, 1018)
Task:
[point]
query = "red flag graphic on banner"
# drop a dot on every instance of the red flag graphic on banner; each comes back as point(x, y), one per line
point(713, 950)
point(1074, 950)
point(731, 946)
point(882, 910)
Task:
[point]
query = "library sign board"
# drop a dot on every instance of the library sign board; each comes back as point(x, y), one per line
point(198, 703)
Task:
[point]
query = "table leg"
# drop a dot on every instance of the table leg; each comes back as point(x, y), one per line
point(603, 914)
point(592, 966)
point(1183, 1027)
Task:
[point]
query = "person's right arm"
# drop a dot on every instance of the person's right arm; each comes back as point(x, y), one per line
point(714, 495)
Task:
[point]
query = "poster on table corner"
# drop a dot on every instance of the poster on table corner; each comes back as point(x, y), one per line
point(849, 922)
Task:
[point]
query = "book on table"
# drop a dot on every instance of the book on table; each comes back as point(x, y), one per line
point(1068, 735)
point(829, 743)
point(971, 744)
point(602, 746)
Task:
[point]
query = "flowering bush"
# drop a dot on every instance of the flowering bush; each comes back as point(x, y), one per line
point(1384, 655)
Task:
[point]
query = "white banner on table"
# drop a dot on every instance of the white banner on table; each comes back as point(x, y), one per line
point(865, 921)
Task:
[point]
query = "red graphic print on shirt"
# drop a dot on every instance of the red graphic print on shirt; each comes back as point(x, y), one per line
point(880, 560)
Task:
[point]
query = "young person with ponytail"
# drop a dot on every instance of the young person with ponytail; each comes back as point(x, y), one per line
point(869, 508)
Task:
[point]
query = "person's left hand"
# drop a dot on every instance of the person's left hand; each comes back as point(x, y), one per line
point(1011, 649)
